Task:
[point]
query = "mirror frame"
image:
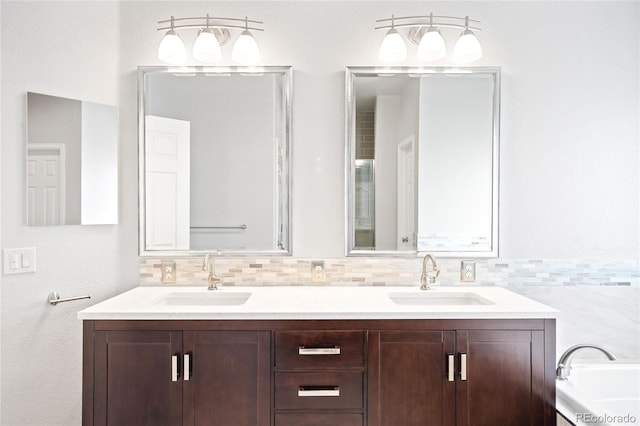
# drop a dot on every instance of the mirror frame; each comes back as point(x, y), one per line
point(350, 113)
point(284, 199)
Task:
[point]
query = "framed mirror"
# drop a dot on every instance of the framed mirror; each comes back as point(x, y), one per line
point(71, 162)
point(422, 151)
point(214, 150)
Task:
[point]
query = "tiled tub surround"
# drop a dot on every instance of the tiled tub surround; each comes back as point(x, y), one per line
point(599, 300)
point(604, 315)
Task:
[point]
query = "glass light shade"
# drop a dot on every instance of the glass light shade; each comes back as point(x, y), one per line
point(431, 47)
point(206, 47)
point(245, 50)
point(467, 48)
point(171, 49)
point(393, 48)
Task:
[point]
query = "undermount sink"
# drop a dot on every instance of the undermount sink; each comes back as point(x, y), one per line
point(209, 298)
point(438, 298)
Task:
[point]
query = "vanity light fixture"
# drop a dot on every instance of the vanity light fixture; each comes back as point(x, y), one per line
point(214, 33)
point(393, 49)
point(425, 32)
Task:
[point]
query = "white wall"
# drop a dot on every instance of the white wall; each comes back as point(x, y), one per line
point(71, 50)
point(569, 157)
point(569, 130)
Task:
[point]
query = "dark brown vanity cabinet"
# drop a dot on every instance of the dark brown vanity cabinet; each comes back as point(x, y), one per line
point(230, 381)
point(319, 372)
point(480, 377)
point(132, 382)
point(408, 378)
point(156, 377)
point(504, 380)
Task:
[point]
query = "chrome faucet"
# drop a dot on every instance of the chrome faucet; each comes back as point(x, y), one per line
point(212, 279)
point(564, 364)
point(428, 277)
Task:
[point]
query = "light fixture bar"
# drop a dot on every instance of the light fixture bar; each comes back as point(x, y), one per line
point(428, 22)
point(207, 22)
point(420, 24)
point(422, 17)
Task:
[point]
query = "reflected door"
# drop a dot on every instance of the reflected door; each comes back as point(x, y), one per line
point(406, 193)
point(167, 150)
point(45, 184)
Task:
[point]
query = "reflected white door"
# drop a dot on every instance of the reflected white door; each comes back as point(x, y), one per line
point(45, 184)
point(167, 188)
point(406, 193)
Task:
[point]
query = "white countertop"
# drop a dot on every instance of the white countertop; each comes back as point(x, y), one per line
point(312, 302)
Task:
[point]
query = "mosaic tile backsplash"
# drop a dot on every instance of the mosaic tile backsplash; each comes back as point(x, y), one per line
point(393, 271)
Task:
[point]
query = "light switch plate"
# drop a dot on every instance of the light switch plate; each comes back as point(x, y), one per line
point(467, 271)
point(168, 271)
point(19, 260)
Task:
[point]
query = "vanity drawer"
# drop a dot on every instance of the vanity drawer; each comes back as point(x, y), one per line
point(319, 349)
point(319, 419)
point(319, 390)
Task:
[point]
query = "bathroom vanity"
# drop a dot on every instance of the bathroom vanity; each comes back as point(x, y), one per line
point(316, 356)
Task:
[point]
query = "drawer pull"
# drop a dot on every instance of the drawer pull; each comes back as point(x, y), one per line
point(319, 391)
point(319, 351)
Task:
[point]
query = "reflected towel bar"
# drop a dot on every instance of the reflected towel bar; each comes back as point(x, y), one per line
point(220, 227)
point(54, 298)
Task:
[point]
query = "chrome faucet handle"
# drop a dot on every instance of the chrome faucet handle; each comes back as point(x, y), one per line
point(213, 281)
point(428, 278)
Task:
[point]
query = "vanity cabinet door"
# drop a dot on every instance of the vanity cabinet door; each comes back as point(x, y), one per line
point(230, 378)
point(502, 382)
point(408, 378)
point(133, 380)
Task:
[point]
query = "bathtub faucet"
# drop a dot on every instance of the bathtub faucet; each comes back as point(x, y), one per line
point(564, 364)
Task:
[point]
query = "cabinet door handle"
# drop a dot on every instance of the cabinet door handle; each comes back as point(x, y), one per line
point(174, 368)
point(451, 366)
point(463, 366)
point(187, 367)
point(319, 391)
point(335, 350)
